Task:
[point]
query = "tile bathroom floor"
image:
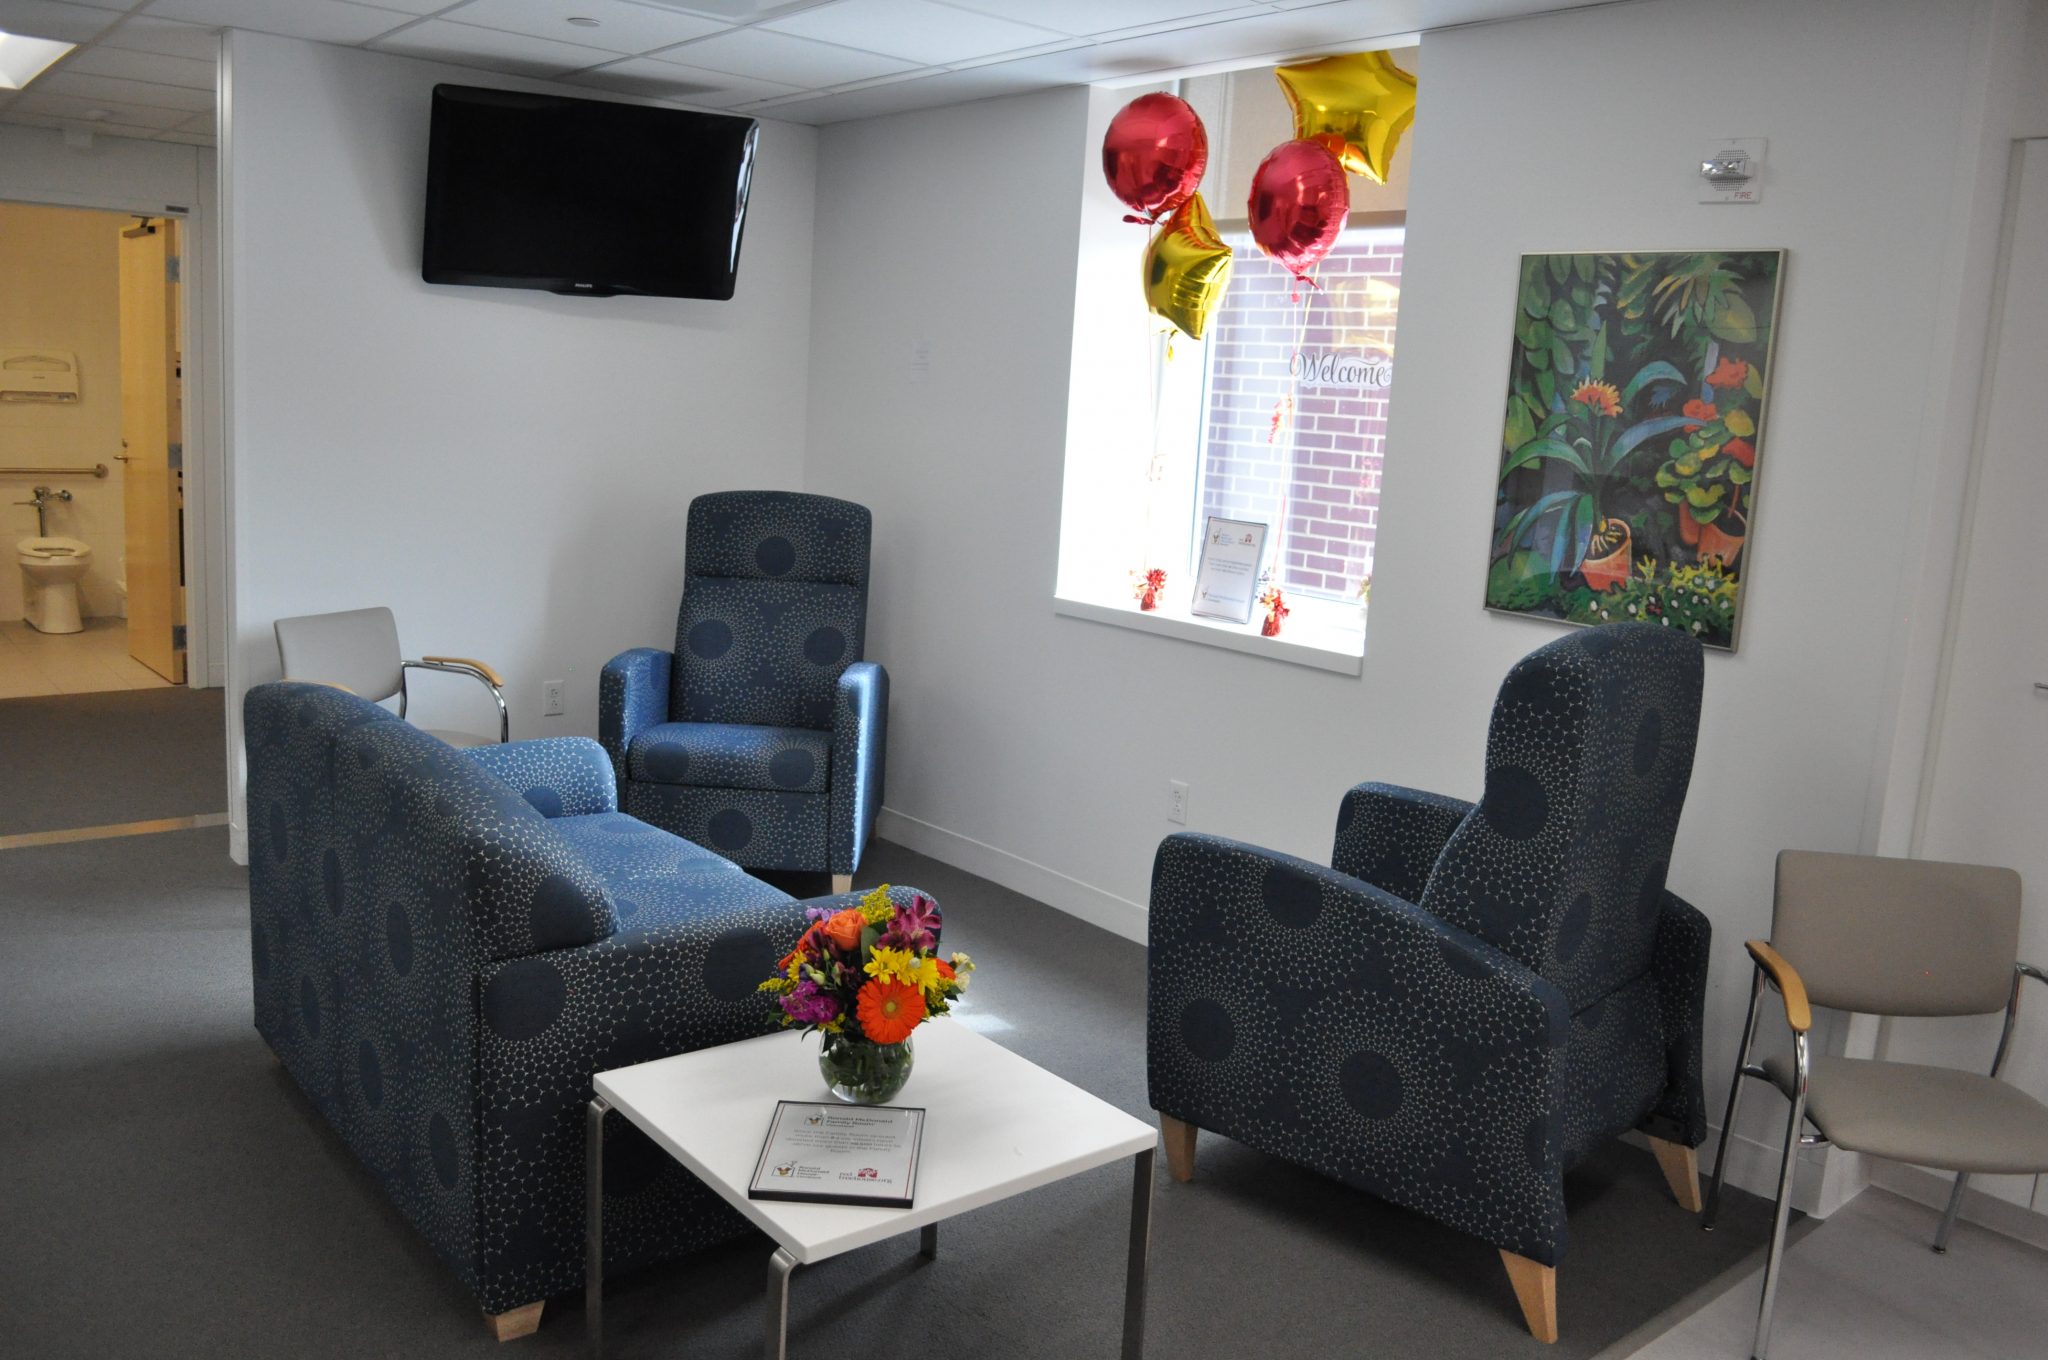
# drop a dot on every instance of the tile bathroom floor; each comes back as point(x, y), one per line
point(33, 663)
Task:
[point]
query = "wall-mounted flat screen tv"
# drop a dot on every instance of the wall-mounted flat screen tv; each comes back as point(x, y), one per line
point(584, 196)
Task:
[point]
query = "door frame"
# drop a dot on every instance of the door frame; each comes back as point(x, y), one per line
point(199, 350)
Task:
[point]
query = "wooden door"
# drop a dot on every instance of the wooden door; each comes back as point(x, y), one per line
point(1990, 779)
point(152, 431)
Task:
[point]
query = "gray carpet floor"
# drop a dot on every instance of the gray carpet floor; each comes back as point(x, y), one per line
point(71, 760)
point(166, 1192)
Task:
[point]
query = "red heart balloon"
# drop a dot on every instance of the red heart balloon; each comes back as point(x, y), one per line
point(1299, 204)
point(1154, 155)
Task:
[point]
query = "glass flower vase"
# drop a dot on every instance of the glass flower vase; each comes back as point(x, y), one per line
point(862, 1072)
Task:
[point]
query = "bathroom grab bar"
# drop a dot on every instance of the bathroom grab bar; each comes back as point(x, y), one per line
point(97, 470)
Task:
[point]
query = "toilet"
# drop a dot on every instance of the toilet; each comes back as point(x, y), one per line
point(51, 569)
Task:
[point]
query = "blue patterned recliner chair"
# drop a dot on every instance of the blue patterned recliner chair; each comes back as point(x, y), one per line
point(1471, 999)
point(761, 734)
point(447, 944)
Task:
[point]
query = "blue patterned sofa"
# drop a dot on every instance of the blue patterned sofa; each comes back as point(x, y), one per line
point(1471, 999)
point(447, 944)
point(761, 735)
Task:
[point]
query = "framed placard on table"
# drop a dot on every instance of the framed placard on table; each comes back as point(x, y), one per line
point(840, 1154)
point(1227, 582)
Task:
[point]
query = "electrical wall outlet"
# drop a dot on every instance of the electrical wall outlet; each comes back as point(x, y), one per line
point(552, 702)
point(1177, 801)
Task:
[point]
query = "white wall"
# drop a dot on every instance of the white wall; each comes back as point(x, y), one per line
point(507, 470)
point(1037, 748)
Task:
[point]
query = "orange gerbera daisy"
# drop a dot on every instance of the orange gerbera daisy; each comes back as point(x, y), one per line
point(888, 1011)
point(1601, 397)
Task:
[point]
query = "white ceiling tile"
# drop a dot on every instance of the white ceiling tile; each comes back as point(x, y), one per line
point(874, 101)
point(621, 26)
point(914, 30)
point(653, 79)
point(141, 33)
point(155, 67)
point(333, 21)
point(1085, 17)
point(784, 59)
point(492, 50)
point(66, 81)
point(734, 11)
point(45, 19)
point(71, 107)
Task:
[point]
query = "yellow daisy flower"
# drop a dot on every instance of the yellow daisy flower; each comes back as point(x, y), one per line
point(886, 965)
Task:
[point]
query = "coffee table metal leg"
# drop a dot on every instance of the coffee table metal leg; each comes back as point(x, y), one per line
point(780, 1267)
point(593, 1226)
point(1141, 1245)
point(928, 1242)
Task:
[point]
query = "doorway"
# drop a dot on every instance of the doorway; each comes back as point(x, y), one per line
point(93, 335)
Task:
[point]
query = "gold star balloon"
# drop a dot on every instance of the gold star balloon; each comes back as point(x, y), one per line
point(1187, 268)
point(1358, 105)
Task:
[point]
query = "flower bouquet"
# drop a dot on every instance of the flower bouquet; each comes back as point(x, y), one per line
point(864, 977)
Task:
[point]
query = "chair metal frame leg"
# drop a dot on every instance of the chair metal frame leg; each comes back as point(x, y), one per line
point(1743, 1069)
point(1948, 1216)
point(780, 1267)
point(1775, 1258)
point(593, 1226)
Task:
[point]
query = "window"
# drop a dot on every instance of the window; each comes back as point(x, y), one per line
point(1295, 417)
point(1279, 416)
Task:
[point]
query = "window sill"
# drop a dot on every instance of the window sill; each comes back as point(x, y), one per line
point(1329, 647)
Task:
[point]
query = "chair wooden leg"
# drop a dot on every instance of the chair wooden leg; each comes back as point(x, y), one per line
point(1180, 1147)
point(521, 1321)
point(1681, 1167)
point(842, 883)
point(1536, 1290)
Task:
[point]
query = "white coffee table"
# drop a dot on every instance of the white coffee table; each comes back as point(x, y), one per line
point(995, 1126)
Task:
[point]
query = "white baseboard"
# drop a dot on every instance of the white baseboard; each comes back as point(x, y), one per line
point(1118, 915)
point(1753, 1166)
point(1986, 1211)
point(238, 843)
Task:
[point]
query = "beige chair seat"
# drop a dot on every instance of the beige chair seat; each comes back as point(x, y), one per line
point(1930, 1116)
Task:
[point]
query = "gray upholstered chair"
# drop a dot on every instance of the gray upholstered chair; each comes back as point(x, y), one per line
point(357, 650)
point(1890, 937)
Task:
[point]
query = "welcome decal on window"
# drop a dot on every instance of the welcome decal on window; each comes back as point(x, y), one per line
point(1340, 368)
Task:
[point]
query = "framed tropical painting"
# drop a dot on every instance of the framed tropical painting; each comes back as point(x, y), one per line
point(1634, 433)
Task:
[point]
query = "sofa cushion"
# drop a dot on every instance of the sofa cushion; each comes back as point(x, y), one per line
point(657, 879)
point(731, 756)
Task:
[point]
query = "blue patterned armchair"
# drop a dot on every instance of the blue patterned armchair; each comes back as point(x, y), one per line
point(447, 944)
point(761, 735)
point(1471, 999)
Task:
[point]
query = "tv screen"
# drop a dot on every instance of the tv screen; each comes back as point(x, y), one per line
point(584, 196)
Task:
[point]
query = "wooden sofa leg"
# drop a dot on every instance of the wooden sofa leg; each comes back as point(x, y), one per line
point(1681, 1167)
point(842, 883)
point(1536, 1290)
point(521, 1321)
point(1180, 1147)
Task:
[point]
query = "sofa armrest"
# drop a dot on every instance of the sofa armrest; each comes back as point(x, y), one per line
point(559, 776)
point(632, 696)
point(1678, 962)
point(1317, 1017)
point(1390, 836)
point(860, 731)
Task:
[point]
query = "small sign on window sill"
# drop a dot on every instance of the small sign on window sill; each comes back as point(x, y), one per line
point(1227, 582)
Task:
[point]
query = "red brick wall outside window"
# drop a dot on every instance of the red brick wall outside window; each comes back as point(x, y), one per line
point(1328, 465)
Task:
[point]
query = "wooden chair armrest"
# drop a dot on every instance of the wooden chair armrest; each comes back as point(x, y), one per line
point(481, 668)
point(1798, 1013)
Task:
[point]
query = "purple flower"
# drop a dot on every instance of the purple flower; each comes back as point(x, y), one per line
point(915, 925)
point(806, 1005)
